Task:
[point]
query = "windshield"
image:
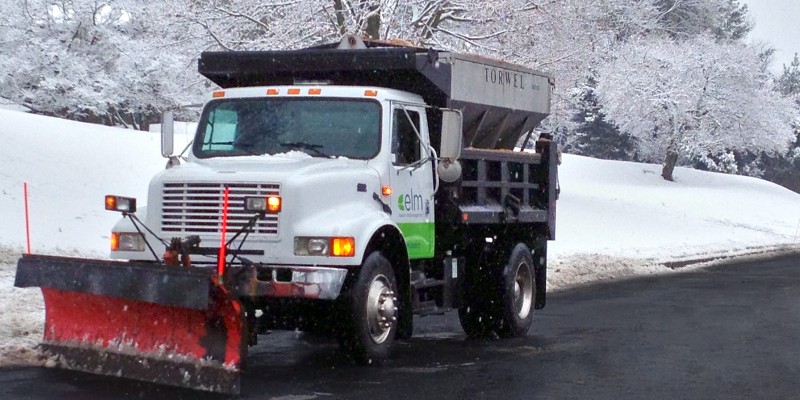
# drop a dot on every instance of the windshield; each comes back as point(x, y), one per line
point(320, 127)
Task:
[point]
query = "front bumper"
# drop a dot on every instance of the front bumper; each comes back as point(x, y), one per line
point(303, 282)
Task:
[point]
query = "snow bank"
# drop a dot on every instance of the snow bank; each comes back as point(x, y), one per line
point(69, 167)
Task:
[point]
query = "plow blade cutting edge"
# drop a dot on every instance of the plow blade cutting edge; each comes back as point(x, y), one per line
point(141, 321)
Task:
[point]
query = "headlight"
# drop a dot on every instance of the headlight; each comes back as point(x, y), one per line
point(325, 246)
point(127, 241)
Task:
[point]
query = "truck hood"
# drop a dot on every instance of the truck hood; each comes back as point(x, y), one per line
point(277, 168)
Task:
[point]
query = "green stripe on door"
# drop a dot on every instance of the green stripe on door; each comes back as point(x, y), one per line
point(419, 239)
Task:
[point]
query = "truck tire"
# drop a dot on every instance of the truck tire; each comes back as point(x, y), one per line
point(518, 285)
point(374, 311)
point(476, 321)
point(475, 306)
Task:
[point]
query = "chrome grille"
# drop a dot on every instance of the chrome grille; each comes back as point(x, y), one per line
point(196, 208)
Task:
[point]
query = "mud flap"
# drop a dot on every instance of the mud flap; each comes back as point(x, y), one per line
point(152, 323)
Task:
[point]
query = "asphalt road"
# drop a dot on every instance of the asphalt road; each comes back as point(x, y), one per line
point(729, 332)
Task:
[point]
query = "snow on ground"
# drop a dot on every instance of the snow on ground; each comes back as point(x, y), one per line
point(21, 318)
point(615, 219)
point(620, 218)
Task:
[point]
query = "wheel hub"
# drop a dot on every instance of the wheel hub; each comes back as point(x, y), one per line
point(523, 291)
point(381, 309)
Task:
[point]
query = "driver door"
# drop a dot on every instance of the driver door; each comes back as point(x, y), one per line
point(412, 180)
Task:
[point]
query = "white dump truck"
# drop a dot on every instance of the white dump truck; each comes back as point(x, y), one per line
point(338, 189)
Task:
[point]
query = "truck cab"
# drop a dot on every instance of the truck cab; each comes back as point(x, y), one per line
point(346, 162)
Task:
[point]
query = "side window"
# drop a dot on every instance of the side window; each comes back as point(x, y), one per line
point(405, 142)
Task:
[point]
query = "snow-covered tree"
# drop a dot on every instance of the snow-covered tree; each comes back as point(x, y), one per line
point(693, 98)
point(288, 24)
point(687, 18)
point(99, 62)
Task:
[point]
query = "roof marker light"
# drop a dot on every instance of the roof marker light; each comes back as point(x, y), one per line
point(218, 94)
point(294, 91)
point(370, 93)
point(315, 91)
point(272, 92)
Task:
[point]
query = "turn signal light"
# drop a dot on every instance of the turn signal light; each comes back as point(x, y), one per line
point(343, 247)
point(274, 204)
point(386, 190)
point(114, 241)
point(121, 204)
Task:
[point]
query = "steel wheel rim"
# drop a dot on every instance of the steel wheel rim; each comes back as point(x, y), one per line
point(523, 290)
point(381, 309)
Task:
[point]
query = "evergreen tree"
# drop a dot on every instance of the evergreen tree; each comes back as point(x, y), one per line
point(594, 135)
point(789, 81)
point(733, 22)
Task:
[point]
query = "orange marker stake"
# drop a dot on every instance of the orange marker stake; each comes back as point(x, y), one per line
point(27, 222)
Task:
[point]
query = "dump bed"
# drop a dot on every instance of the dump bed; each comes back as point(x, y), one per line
point(500, 101)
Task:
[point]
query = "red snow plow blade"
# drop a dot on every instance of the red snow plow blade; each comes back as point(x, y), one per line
point(154, 323)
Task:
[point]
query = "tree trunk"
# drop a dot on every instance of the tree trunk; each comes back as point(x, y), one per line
point(338, 7)
point(374, 23)
point(669, 165)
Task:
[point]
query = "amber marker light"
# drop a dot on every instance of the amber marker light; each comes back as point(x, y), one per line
point(343, 247)
point(272, 92)
point(315, 91)
point(370, 93)
point(111, 203)
point(294, 91)
point(274, 204)
point(218, 94)
point(386, 190)
point(114, 241)
point(121, 204)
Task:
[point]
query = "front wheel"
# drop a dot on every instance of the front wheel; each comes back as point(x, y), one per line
point(518, 285)
point(374, 307)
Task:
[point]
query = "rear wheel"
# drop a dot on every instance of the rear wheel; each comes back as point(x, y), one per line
point(518, 284)
point(374, 308)
point(477, 298)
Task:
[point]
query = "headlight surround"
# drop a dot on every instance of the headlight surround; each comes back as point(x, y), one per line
point(324, 246)
point(127, 241)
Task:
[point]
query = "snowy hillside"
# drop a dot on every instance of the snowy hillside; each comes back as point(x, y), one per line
point(614, 218)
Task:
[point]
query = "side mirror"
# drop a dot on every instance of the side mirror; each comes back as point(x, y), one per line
point(449, 169)
point(167, 133)
point(451, 135)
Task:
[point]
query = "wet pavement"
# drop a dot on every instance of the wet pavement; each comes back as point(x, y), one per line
point(728, 332)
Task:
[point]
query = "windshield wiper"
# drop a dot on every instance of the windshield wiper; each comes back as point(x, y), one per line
point(307, 146)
